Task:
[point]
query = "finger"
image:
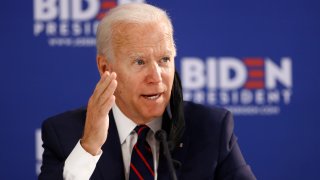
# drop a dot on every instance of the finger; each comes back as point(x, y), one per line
point(104, 92)
point(100, 83)
point(108, 92)
point(109, 103)
point(103, 83)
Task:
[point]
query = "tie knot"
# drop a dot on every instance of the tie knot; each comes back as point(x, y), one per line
point(142, 131)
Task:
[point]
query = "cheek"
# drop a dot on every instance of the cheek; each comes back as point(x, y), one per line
point(127, 85)
point(121, 78)
point(168, 76)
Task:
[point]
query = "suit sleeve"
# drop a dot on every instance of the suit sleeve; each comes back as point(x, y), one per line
point(57, 164)
point(52, 157)
point(231, 164)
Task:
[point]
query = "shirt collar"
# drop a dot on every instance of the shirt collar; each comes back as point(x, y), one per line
point(125, 125)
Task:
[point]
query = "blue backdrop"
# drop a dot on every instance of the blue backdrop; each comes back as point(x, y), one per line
point(260, 59)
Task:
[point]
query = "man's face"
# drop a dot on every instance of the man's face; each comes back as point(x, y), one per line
point(144, 63)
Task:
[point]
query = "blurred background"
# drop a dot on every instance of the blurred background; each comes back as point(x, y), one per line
point(258, 59)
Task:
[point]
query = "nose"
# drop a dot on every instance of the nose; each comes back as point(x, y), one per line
point(154, 73)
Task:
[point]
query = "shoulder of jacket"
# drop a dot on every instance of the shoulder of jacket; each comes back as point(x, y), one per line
point(78, 114)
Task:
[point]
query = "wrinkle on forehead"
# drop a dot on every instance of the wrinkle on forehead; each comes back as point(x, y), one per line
point(133, 36)
point(135, 53)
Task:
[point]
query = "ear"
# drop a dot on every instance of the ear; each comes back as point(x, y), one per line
point(103, 64)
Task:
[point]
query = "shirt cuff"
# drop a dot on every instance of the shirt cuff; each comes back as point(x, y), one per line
point(80, 164)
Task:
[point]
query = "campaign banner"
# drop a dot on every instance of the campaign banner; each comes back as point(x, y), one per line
point(258, 59)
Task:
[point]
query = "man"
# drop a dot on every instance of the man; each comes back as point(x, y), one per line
point(138, 94)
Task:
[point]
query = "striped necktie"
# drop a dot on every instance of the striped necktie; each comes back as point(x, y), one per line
point(141, 166)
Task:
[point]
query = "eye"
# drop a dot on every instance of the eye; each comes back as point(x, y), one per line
point(139, 62)
point(165, 59)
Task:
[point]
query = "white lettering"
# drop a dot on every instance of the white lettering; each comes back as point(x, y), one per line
point(286, 95)
point(199, 97)
point(282, 74)
point(76, 29)
point(193, 76)
point(38, 28)
point(64, 10)
point(242, 97)
point(227, 65)
point(273, 97)
point(212, 72)
point(45, 10)
point(78, 10)
point(246, 97)
point(63, 28)
point(212, 98)
point(80, 14)
point(224, 98)
point(259, 96)
point(51, 28)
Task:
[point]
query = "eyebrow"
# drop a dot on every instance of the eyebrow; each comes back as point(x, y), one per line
point(167, 52)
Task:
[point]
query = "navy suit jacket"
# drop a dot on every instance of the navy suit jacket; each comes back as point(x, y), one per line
point(210, 149)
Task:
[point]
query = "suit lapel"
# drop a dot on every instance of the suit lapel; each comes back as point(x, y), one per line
point(110, 164)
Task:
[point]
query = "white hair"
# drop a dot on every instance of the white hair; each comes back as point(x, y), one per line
point(138, 13)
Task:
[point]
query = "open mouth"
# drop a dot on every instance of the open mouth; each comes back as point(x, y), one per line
point(152, 96)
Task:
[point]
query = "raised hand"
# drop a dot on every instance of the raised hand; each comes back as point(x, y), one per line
point(97, 119)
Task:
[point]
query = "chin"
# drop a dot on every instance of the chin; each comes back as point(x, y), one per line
point(153, 113)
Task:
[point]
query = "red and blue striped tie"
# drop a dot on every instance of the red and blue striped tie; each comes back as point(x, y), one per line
point(141, 166)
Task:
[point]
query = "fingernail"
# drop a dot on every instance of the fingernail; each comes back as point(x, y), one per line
point(114, 74)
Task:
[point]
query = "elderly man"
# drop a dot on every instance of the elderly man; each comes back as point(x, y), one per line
point(138, 94)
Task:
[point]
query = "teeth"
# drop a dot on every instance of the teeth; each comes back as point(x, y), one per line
point(152, 97)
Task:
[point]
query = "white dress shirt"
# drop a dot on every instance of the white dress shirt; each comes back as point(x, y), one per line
point(80, 164)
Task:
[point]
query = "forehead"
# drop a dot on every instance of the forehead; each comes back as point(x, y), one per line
point(133, 38)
